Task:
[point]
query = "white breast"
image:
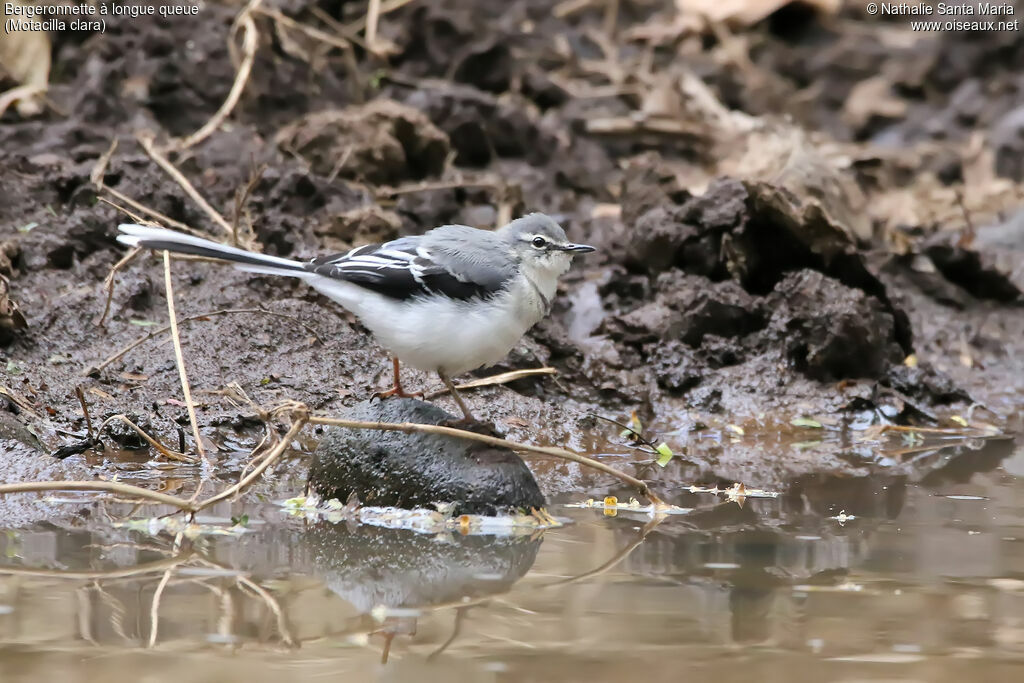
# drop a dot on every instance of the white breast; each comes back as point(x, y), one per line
point(441, 334)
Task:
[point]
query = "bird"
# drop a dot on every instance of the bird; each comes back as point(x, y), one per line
point(451, 300)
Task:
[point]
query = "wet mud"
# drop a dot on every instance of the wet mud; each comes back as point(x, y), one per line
point(765, 254)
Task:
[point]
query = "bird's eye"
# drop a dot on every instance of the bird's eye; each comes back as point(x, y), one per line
point(539, 242)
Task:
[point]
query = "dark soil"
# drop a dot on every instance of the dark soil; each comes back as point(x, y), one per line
point(777, 234)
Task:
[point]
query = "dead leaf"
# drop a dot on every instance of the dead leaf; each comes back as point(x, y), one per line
point(25, 57)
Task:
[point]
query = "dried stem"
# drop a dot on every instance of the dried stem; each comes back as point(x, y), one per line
point(314, 33)
point(299, 420)
point(154, 608)
point(85, 412)
point(501, 378)
point(108, 284)
point(372, 18)
point(241, 196)
point(160, 448)
point(146, 141)
point(163, 219)
point(107, 486)
point(180, 358)
point(250, 41)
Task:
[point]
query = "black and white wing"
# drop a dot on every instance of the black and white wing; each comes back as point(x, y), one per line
point(415, 266)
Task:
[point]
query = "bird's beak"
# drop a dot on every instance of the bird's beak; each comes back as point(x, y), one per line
point(579, 248)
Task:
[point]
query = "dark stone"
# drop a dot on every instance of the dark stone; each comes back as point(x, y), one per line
point(831, 331)
point(418, 470)
point(925, 383)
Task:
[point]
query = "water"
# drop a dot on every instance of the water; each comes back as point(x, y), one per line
point(921, 580)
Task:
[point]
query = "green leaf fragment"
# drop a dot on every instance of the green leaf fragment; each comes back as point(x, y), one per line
point(664, 454)
point(143, 323)
point(806, 422)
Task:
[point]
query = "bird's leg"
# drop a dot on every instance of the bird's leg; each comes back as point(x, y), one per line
point(397, 390)
point(467, 416)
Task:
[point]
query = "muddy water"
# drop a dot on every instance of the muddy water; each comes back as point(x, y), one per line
point(924, 583)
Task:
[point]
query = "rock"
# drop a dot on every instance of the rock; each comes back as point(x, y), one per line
point(383, 142)
point(482, 126)
point(418, 470)
point(833, 332)
point(1007, 139)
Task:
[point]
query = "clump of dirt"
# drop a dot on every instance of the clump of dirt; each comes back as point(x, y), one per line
point(382, 142)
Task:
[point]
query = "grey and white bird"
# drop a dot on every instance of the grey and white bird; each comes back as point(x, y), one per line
point(449, 301)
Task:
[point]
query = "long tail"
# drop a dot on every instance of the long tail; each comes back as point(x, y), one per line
point(162, 238)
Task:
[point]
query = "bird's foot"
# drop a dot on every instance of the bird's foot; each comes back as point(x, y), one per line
point(397, 392)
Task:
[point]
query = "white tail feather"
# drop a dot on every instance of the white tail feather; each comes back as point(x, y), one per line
point(162, 238)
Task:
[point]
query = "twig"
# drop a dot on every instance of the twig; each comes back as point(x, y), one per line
point(166, 220)
point(100, 168)
point(108, 284)
point(250, 41)
point(275, 607)
point(315, 33)
point(199, 316)
point(299, 420)
point(180, 358)
point(107, 486)
point(160, 448)
point(146, 140)
point(241, 196)
point(372, 17)
point(154, 608)
point(410, 427)
point(356, 26)
point(502, 378)
point(85, 411)
point(120, 573)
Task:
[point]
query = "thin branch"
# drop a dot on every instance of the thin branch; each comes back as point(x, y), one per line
point(385, 7)
point(85, 411)
point(199, 316)
point(315, 33)
point(154, 608)
point(120, 573)
point(107, 486)
point(501, 378)
point(160, 448)
point(146, 140)
point(241, 196)
point(162, 218)
point(108, 284)
point(180, 358)
point(372, 18)
point(250, 41)
point(299, 420)
point(410, 427)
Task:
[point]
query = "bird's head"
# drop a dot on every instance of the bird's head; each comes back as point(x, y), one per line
point(539, 243)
